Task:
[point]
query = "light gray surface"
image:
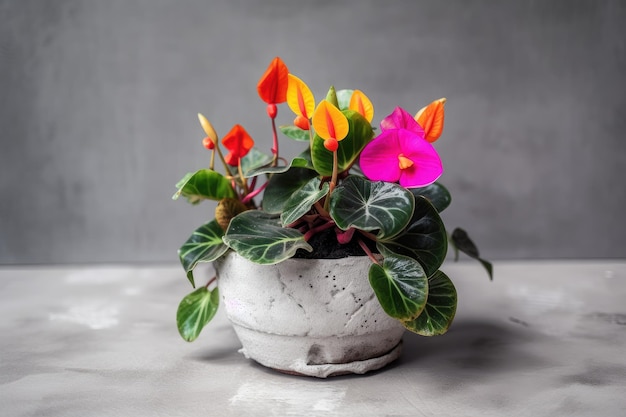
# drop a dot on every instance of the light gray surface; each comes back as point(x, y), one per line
point(98, 104)
point(543, 339)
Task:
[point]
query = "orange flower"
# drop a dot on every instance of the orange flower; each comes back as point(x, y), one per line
point(430, 118)
point(300, 99)
point(272, 86)
point(239, 143)
point(360, 103)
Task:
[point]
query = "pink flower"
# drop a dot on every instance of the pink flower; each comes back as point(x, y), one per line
point(401, 153)
point(401, 119)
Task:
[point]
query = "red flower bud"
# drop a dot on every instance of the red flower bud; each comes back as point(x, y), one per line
point(331, 144)
point(272, 110)
point(302, 122)
point(208, 143)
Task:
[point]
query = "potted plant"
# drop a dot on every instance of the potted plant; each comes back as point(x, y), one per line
point(342, 254)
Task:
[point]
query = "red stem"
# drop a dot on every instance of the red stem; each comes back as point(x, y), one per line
point(308, 235)
point(368, 252)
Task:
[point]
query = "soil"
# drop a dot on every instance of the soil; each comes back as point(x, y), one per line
point(325, 246)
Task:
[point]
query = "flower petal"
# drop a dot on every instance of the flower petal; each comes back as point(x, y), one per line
point(431, 119)
point(299, 97)
point(272, 87)
point(329, 122)
point(361, 103)
point(379, 159)
point(401, 119)
point(427, 166)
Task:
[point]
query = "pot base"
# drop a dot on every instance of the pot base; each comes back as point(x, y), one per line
point(318, 357)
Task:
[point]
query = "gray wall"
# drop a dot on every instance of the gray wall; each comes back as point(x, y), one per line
point(98, 103)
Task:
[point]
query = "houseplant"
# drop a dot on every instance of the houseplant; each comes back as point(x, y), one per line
point(354, 192)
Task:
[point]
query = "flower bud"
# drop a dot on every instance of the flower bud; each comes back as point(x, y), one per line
point(331, 144)
point(272, 110)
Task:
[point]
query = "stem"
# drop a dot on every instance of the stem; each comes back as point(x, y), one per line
point(368, 235)
point(211, 281)
point(275, 143)
point(367, 251)
point(254, 193)
point(333, 180)
point(308, 235)
point(321, 210)
point(212, 164)
point(244, 182)
point(226, 167)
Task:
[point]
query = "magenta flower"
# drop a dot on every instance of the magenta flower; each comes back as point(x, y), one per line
point(401, 153)
point(401, 119)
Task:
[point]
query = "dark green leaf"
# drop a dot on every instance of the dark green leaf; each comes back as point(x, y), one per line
point(436, 193)
point(440, 307)
point(255, 159)
point(424, 238)
point(371, 206)
point(195, 311)
point(204, 184)
point(350, 147)
point(260, 238)
point(204, 245)
point(301, 201)
point(401, 286)
point(462, 242)
point(295, 133)
point(296, 162)
point(281, 187)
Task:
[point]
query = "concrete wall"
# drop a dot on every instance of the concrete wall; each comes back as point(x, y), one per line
point(98, 104)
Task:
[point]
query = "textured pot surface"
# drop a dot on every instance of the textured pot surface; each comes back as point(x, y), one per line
point(315, 317)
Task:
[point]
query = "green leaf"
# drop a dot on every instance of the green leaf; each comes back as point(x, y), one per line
point(440, 307)
point(401, 286)
point(281, 186)
point(295, 162)
point(436, 193)
point(359, 134)
point(301, 201)
point(462, 242)
point(204, 245)
point(260, 238)
point(195, 311)
point(204, 184)
point(343, 98)
point(371, 206)
point(255, 159)
point(424, 238)
point(295, 133)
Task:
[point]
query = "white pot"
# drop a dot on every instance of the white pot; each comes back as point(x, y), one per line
point(316, 317)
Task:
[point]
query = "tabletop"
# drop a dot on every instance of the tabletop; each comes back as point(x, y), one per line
point(544, 338)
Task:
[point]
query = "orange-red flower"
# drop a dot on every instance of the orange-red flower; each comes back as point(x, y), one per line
point(239, 143)
point(272, 86)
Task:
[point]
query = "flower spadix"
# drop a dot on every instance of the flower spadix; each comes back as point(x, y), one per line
point(211, 136)
point(401, 153)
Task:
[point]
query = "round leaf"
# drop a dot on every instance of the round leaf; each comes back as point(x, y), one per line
point(282, 185)
point(401, 286)
point(260, 238)
point(295, 133)
point(440, 307)
point(370, 206)
point(424, 238)
point(437, 194)
point(204, 245)
point(301, 201)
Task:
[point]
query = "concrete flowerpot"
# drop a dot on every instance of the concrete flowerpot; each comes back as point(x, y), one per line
point(316, 317)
